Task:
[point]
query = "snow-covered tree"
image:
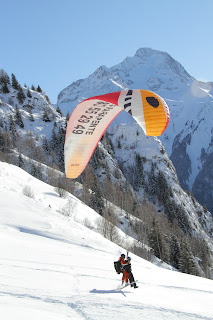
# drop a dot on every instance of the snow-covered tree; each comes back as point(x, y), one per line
point(18, 118)
point(4, 81)
point(4, 78)
point(20, 95)
point(38, 89)
point(186, 262)
point(29, 93)
point(20, 161)
point(174, 252)
point(15, 83)
point(45, 116)
point(59, 111)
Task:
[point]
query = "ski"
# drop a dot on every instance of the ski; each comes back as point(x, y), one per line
point(128, 284)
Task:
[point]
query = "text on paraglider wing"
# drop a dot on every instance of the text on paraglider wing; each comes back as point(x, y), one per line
point(94, 115)
point(90, 119)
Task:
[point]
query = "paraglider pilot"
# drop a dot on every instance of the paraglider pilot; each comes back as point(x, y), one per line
point(124, 266)
point(128, 269)
point(123, 263)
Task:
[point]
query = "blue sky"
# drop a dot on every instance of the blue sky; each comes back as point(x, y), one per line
point(55, 42)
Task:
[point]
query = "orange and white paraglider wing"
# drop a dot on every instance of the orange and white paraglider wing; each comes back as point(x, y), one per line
point(87, 123)
point(147, 108)
point(91, 118)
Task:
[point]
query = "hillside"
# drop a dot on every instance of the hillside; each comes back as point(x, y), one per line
point(53, 267)
point(130, 180)
point(29, 122)
point(29, 109)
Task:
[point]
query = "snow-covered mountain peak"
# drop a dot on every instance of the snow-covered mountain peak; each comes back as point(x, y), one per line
point(147, 69)
point(188, 136)
point(146, 52)
point(147, 55)
point(101, 72)
point(155, 59)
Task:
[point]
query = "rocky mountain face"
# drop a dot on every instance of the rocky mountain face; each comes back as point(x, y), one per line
point(189, 137)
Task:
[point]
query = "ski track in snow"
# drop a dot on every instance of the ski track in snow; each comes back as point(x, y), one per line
point(91, 309)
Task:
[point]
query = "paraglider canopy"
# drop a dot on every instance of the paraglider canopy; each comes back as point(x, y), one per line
point(90, 119)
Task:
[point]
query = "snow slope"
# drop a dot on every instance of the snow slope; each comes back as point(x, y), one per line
point(53, 267)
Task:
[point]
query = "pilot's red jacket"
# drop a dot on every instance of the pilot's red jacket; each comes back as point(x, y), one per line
point(125, 273)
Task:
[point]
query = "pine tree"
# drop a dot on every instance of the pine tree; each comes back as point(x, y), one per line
point(5, 88)
point(5, 141)
point(53, 140)
point(39, 89)
point(21, 161)
point(20, 95)
point(108, 189)
point(202, 251)
point(119, 144)
point(2, 142)
point(36, 171)
point(96, 197)
point(174, 252)
point(96, 200)
point(67, 116)
point(138, 178)
point(96, 158)
point(45, 116)
point(59, 111)
point(182, 218)
point(163, 189)
point(33, 88)
point(4, 81)
point(12, 126)
point(60, 144)
point(15, 83)
point(170, 209)
point(155, 240)
point(31, 118)
point(186, 262)
point(45, 145)
point(152, 181)
point(18, 118)
point(47, 98)
point(128, 203)
point(85, 196)
point(29, 93)
point(4, 78)
point(109, 144)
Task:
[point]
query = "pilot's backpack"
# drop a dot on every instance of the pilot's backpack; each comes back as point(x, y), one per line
point(117, 265)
